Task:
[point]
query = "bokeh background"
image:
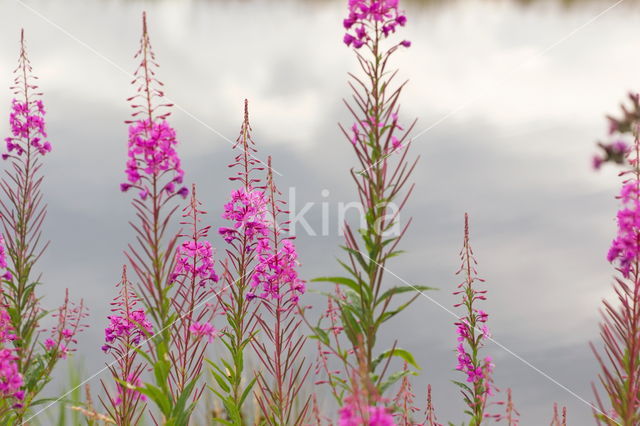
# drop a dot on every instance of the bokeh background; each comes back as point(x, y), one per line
point(513, 94)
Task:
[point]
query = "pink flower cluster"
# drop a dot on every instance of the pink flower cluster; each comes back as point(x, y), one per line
point(136, 326)
point(195, 259)
point(3, 259)
point(152, 153)
point(351, 415)
point(6, 330)
point(205, 329)
point(380, 16)
point(10, 378)
point(52, 346)
point(247, 211)
point(625, 248)
point(27, 127)
point(475, 371)
point(132, 381)
point(276, 270)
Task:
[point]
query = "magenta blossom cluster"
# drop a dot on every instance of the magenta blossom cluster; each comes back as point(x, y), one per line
point(152, 153)
point(27, 127)
point(195, 259)
point(379, 16)
point(6, 330)
point(276, 270)
point(135, 326)
point(59, 347)
point(475, 373)
point(11, 380)
point(3, 260)
point(248, 212)
point(201, 330)
point(132, 381)
point(350, 415)
point(625, 248)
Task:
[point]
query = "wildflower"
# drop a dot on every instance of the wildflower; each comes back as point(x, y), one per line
point(276, 270)
point(626, 247)
point(3, 260)
point(203, 330)
point(472, 330)
point(247, 211)
point(27, 124)
point(135, 326)
point(6, 329)
point(131, 383)
point(152, 153)
point(10, 378)
point(366, 16)
point(350, 415)
point(195, 258)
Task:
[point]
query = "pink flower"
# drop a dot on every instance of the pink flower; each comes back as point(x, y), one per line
point(367, 16)
point(27, 129)
point(3, 260)
point(134, 327)
point(277, 270)
point(10, 378)
point(195, 259)
point(132, 381)
point(351, 415)
point(6, 329)
point(203, 330)
point(152, 154)
point(248, 212)
point(625, 248)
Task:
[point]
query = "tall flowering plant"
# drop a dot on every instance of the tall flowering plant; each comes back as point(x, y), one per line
point(472, 332)
point(11, 380)
point(381, 145)
point(30, 354)
point(195, 300)
point(128, 329)
point(620, 358)
point(153, 170)
point(276, 284)
point(245, 238)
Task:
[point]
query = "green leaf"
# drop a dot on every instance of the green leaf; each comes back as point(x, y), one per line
point(399, 352)
point(339, 280)
point(393, 379)
point(402, 289)
point(220, 381)
point(247, 390)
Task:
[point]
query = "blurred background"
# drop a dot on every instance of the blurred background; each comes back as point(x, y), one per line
point(510, 98)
